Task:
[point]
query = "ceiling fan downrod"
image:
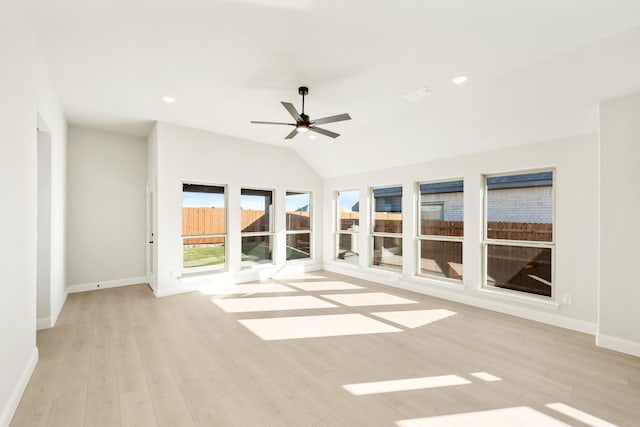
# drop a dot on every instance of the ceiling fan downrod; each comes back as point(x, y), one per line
point(303, 90)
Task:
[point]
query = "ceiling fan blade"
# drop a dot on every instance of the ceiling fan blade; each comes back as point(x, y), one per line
point(293, 133)
point(331, 119)
point(272, 123)
point(324, 132)
point(292, 110)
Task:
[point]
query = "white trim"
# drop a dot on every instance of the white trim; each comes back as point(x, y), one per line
point(502, 307)
point(58, 308)
point(50, 321)
point(482, 299)
point(43, 323)
point(106, 284)
point(443, 282)
point(618, 344)
point(379, 275)
point(205, 282)
point(519, 297)
point(159, 293)
point(14, 399)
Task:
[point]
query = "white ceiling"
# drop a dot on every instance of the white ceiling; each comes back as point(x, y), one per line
point(536, 70)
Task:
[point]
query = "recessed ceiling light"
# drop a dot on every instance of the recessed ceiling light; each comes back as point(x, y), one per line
point(169, 99)
point(312, 137)
point(460, 80)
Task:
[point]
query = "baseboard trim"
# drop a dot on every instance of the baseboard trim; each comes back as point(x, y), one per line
point(106, 284)
point(58, 307)
point(43, 323)
point(618, 344)
point(210, 281)
point(465, 296)
point(50, 321)
point(14, 399)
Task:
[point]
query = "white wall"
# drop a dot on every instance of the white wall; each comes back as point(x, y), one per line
point(152, 207)
point(43, 276)
point(619, 214)
point(575, 162)
point(26, 92)
point(106, 209)
point(185, 154)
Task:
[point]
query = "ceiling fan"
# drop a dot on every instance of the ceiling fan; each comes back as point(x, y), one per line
point(303, 122)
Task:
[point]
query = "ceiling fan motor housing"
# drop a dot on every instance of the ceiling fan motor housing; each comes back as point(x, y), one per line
point(303, 122)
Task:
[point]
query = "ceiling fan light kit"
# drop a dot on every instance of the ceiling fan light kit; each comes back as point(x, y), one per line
point(303, 121)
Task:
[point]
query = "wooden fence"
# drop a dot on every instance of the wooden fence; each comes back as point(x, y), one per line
point(508, 266)
point(513, 267)
point(199, 221)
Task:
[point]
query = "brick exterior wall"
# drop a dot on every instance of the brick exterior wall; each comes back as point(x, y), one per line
point(453, 204)
point(532, 205)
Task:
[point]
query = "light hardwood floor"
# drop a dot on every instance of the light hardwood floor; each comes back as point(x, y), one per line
point(122, 357)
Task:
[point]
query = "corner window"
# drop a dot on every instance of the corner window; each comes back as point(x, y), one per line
point(519, 241)
point(298, 225)
point(386, 227)
point(347, 226)
point(441, 229)
point(203, 226)
point(256, 222)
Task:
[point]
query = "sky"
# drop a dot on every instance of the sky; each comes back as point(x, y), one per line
point(209, 200)
point(202, 200)
point(347, 199)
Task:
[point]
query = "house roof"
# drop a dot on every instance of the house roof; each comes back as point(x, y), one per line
point(523, 180)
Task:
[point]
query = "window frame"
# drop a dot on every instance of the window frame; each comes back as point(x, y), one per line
point(308, 231)
point(270, 233)
point(486, 241)
point(372, 223)
point(338, 232)
point(225, 235)
point(429, 237)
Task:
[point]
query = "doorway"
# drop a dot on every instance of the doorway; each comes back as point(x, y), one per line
point(43, 272)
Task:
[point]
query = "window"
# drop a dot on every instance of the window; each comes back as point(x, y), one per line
point(347, 226)
point(441, 229)
point(256, 223)
point(203, 226)
point(519, 239)
point(298, 225)
point(386, 227)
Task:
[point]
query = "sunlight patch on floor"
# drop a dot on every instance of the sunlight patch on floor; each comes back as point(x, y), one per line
point(405, 384)
point(485, 376)
point(520, 416)
point(247, 305)
point(249, 289)
point(365, 299)
point(579, 415)
point(335, 285)
point(415, 318)
point(283, 328)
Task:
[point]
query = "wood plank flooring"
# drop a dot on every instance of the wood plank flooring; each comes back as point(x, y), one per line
point(121, 357)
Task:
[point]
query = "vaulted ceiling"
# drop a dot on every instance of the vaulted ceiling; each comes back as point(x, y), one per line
point(536, 70)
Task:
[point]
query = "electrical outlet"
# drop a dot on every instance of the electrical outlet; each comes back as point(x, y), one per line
point(567, 299)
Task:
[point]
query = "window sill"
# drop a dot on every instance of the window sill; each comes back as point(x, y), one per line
point(523, 299)
point(347, 264)
point(300, 261)
point(257, 266)
point(386, 270)
point(435, 281)
point(194, 271)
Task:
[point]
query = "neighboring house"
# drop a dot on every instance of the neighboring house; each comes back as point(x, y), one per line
point(444, 201)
